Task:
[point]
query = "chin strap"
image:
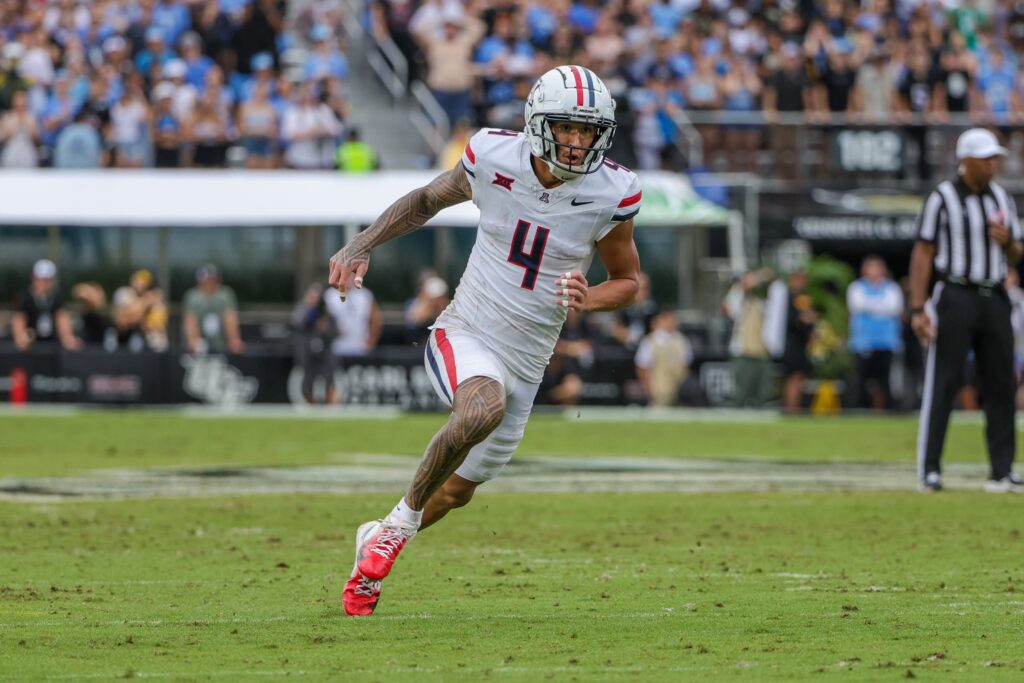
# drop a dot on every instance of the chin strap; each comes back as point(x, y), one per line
point(560, 173)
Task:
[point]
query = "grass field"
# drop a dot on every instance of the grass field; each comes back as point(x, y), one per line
point(517, 587)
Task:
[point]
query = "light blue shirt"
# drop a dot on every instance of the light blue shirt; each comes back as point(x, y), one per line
point(875, 312)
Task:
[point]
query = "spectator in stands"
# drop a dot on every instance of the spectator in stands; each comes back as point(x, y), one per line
point(663, 360)
point(168, 131)
point(316, 332)
point(19, 135)
point(259, 26)
point(140, 314)
point(356, 156)
point(740, 90)
point(184, 94)
point(788, 92)
point(59, 111)
point(655, 108)
point(79, 145)
point(956, 69)
point(208, 131)
point(509, 113)
point(916, 103)
point(875, 304)
point(997, 81)
point(874, 92)
point(744, 306)
point(150, 61)
point(325, 62)
point(423, 309)
point(358, 320)
point(701, 94)
point(222, 97)
point(501, 57)
point(41, 316)
point(319, 13)
point(837, 80)
point(309, 127)
point(262, 74)
point(11, 81)
point(605, 45)
point(36, 65)
point(215, 29)
point(257, 126)
point(210, 319)
point(197, 64)
point(129, 125)
point(447, 37)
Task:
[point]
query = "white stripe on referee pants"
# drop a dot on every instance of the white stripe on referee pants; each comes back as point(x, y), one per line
point(928, 393)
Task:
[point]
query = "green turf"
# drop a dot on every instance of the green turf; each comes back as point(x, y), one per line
point(634, 587)
point(867, 587)
point(37, 445)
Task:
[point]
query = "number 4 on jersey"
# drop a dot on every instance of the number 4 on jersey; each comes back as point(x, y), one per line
point(530, 260)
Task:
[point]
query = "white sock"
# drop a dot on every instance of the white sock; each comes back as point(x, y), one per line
point(406, 515)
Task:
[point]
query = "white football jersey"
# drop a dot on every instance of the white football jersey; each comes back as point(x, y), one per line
point(528, 237)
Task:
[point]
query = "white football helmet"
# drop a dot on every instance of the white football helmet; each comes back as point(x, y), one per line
point(569, 93)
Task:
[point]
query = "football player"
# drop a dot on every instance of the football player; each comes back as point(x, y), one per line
point(548, 199)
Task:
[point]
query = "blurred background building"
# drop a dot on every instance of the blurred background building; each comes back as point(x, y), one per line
point(781, 143)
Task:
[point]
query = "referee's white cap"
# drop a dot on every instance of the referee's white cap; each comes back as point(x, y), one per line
point(978, 143)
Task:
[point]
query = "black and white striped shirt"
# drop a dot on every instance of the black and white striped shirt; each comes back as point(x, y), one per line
point(955, 219)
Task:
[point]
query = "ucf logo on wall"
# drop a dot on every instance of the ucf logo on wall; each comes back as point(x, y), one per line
point(211, 379)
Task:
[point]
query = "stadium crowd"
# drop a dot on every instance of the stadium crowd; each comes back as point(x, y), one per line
point(169, 83)
point(180, 82)
point(744, 63)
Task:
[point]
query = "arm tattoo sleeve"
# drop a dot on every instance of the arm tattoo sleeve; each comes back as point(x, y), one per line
point(479, 409)
point(410, 212)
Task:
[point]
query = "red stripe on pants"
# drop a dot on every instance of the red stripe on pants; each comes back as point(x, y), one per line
point(448, 356)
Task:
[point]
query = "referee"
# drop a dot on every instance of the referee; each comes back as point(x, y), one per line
point(968, 236)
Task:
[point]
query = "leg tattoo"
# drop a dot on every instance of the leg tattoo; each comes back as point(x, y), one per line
point(479, 409)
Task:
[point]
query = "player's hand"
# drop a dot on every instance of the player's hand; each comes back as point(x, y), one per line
point(345, 265)
point(999, 233)
point(924, 329)
point(573, 291)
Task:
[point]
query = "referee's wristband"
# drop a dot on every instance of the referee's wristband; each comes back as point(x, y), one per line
point(916, 309)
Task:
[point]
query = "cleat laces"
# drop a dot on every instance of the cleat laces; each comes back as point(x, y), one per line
point(367, 587)
point(389, 542)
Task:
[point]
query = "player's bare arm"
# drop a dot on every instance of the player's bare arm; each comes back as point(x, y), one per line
point(478, 409)
point(619, 256)
point(404, 216)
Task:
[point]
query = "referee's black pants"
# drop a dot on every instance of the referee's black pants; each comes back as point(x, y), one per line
point(969, 317)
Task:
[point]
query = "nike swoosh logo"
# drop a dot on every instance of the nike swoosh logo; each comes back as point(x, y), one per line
point(576, 203)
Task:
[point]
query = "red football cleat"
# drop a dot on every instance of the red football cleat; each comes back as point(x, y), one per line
point(378, 551)
point(361, 595)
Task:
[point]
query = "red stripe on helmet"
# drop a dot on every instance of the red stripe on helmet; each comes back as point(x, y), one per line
point(579, 85)
point(469, 154)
